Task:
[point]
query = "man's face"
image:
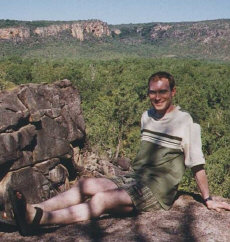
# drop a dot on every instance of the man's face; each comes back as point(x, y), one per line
point(161, 96)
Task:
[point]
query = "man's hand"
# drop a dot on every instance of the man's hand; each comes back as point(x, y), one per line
point(211, 204)
point(202, 183)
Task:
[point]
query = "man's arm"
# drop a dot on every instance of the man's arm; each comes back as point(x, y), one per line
point(202, 182)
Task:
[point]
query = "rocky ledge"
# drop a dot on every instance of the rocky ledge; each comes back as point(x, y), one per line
point(188, 220)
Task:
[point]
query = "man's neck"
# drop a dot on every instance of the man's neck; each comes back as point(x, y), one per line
point(159, 115)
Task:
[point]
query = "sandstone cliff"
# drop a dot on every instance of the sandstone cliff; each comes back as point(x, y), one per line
point(78, 30)
point(201, 32)
point(51, 30)
point(17, 33)
point(97, 29)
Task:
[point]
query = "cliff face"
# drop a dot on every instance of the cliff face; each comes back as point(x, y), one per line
point(18, 33)
point(98, 29)
point(78, 30)
point(51, 30)
point(200, 32)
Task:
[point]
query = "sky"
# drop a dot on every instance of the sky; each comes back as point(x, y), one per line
point(116, 11)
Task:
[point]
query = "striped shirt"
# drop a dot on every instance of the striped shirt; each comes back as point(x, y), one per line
point(167, 146)
point(175, 130)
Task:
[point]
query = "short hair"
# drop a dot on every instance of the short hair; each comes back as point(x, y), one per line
point(162, 74)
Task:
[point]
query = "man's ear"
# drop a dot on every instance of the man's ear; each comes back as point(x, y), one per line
point(173, 91)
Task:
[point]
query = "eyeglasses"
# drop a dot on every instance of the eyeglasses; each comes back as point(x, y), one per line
point(161, 93)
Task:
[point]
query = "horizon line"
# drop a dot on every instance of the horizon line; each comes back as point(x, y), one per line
point(94, 19)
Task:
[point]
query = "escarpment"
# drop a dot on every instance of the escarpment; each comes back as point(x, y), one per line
point(79, 30)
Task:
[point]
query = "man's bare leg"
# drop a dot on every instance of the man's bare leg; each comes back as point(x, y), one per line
point(84, 187)
point(101, 202)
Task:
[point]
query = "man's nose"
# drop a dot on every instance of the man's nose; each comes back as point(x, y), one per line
point(158, 95)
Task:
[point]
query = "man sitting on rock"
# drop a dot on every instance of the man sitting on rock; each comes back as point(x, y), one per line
point(170, 141)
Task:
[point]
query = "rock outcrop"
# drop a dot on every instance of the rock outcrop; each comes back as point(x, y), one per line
point(40, 124)
point(189, 220)
point(42, 133)
point(51, 30)
point(199, 32)
point(79, 30)
point(96, 28)
point(90, 164)
point(16, 34)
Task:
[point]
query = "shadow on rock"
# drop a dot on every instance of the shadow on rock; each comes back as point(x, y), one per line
point(136, 233)
point(95, 232)
point(7, 228)
point(195, 196)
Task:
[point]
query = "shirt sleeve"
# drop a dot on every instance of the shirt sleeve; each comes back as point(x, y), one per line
point(193, 149)
point(143, 117)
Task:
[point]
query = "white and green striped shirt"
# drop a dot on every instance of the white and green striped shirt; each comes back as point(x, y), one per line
point(176, 130)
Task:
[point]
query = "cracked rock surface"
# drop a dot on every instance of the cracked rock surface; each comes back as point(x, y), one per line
point(39, 123)
point(189, 220)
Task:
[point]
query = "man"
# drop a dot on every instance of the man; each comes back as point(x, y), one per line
point(170, 141)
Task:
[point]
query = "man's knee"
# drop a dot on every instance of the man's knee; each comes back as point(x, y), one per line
point(81, 181)
point(98, 204)
point(84, 184)
point(99, 198)
point(111, 200)
point(91, 186)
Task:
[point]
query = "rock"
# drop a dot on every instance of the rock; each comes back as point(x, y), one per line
point(96, 28)
point(51, 141)
point(14, 33)
point(39, 126)
point(188, 220)
point(124, 163)
point(90, 164)
point(12, 144)
point(12, 111)
point(116, 31)
point(51, 30)
point(78, 30)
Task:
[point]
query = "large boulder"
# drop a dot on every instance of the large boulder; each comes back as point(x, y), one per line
point(39, 126)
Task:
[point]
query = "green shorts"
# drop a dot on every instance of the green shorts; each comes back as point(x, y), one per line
point(142, 197)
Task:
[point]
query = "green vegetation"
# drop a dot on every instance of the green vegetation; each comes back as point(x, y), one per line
point(114, 96)
point(7, 23)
